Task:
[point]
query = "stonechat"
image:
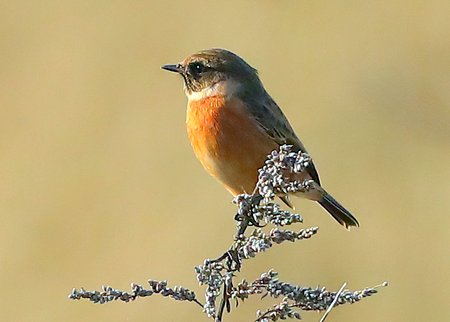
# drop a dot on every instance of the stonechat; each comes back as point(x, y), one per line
point(233, 124)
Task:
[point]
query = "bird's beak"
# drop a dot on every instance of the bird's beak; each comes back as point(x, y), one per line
point(178, 68)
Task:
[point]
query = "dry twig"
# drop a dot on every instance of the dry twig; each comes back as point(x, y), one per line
point(218, 276)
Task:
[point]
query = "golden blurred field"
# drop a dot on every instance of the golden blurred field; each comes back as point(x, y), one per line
point(98, 184)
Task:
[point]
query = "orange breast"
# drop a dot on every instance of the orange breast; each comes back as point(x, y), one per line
point(228, 141)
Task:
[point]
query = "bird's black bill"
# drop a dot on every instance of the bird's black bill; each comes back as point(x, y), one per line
point(173, 68)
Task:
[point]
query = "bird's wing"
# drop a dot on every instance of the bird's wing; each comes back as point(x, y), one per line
point(270, 117)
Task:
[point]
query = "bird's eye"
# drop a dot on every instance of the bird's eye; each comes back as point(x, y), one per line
point(196, 68)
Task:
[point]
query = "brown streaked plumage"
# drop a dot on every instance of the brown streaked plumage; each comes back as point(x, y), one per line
point(233, 124)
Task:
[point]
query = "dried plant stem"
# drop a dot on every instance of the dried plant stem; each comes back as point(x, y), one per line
point(223, 303)
point(259, 211)
point(336, 297)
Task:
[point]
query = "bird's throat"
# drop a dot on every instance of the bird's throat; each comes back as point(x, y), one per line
point(225, 88)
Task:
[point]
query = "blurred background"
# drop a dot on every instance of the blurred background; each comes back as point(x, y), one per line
point(98, 183)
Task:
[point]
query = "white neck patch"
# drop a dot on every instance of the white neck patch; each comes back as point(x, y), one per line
point(225, 88)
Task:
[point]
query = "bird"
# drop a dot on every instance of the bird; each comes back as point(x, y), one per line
point(233, 124)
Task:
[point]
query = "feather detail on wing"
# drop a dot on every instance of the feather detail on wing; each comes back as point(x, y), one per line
point(270, 117)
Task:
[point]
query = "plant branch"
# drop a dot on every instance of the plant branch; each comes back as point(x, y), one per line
point(269, 222)
point(334, 302)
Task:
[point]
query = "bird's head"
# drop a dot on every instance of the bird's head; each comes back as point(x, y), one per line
point(216, 71)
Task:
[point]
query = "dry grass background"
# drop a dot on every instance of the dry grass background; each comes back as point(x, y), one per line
point(98, 183)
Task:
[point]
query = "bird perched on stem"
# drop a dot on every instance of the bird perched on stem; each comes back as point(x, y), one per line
point(233, 124)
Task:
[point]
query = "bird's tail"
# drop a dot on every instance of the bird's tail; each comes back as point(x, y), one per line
point(342, 215)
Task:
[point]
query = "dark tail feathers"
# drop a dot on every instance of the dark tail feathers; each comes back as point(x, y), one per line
point(342, 215)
